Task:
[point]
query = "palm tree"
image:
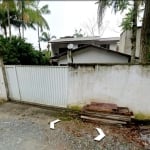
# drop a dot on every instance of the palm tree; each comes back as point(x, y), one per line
point(118, 5)
point(121, 5)
point(3, 19)
point(23, 15)
point(7, 10)
point(46, 37)
point(31, 15)
point(39, 20)
point(10, 14)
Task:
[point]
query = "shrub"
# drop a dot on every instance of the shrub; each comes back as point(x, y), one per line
point(18, 51)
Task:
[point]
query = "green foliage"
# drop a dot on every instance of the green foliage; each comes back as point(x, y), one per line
point(127, 21)
point(75, 107)
point(46, 37)
point(117, 5)
point(140, 116)
point(17, 51)
point(26, 16)
point(45, 57)
point(78, 33)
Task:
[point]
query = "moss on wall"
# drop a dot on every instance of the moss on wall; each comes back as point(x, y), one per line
point(141, 116)
point(75, 107)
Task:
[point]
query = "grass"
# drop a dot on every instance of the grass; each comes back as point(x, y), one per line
point(2, 101)
point(75, 108)
point(142, 119)
point(140, 116)
point(65, 115)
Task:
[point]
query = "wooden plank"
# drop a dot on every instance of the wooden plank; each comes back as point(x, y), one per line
point(108, 108)
point(99, 107)
point(105, 113)
point(108, 116)
point(102, 120)
point(124, 110)
point(145, 127)
point(108, 112)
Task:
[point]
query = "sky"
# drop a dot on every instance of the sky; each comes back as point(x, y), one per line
point(66, 16)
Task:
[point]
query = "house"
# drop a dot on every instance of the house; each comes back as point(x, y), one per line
point(125, 42)
point(60, 46)
point(91, 54)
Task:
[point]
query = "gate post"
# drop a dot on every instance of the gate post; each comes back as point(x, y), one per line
point(4, 78)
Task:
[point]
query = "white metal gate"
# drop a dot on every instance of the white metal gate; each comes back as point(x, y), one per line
point(38, 84)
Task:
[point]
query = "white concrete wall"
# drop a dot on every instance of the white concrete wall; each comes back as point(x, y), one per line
point(3, 93)
point(95, 55)
point(123, 85)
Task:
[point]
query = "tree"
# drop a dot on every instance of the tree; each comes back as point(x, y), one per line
point(46, 37)
point(39, 20)
point(7, 10)
point(78, 33)
point(121, 5)
point(90, 27)
point(127, 21)
point(46, 57)
point(117, 5)
point(11, 14)
point(134, 31)
point(145, 35)
point(18, 51)
point(24, 15)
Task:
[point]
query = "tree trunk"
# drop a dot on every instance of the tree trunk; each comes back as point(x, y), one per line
point(48, 46)
point(19, 31)
point(22, 31)
point(39, 38)
point(145, 35)
point(9, 26)
point(22, 4)
point(134, 31)
point(5, 31)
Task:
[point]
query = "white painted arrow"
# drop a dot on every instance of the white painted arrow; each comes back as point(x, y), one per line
point(52, 123)
point(100, 136)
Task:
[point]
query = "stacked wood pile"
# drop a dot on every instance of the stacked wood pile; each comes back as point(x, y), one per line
point(106, 113)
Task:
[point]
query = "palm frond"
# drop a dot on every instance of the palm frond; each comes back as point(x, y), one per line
point(117, 5)
point(102, 5)
point(45, 10)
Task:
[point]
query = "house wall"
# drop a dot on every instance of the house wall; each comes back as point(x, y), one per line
point(125, 42)
point(124, 85)
point(113, 46)
point(95, 55)
point(55, 46)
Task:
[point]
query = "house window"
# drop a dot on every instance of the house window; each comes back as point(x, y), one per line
point(105, 46)
point(62, 50)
